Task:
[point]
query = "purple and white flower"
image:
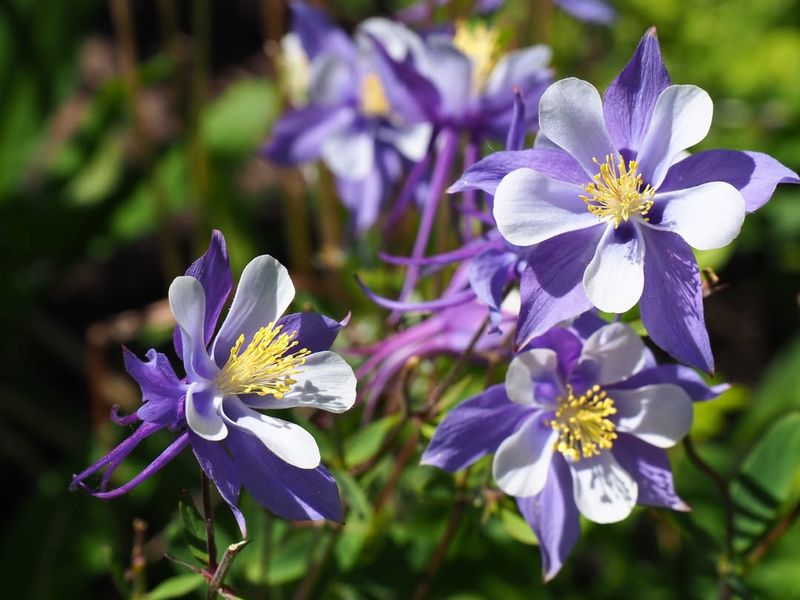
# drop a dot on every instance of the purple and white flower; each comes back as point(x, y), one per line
point(578, 428)
point(257, 360)
point(612, 205)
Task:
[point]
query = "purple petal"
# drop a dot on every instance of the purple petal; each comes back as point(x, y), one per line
point(754, 174)
point(554, 518)
point(220, 468)
point(631, 97)
point(486, 174)
point(298, 135)
point(672, 302)
point(679, 375)
point(317, 33)
point(552, 286)
point(315, 332)
point(515, 140)
point(474, 428)
point(649, 466)
point(161, 389)
point(287, 491)
point(213, 271)
point(591, 11)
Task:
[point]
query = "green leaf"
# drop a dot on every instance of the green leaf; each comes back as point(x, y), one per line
point(176, 587)
point(517, 527)
point(767, 481)
point(194, 528)
point(358, 529)
point(362, 445)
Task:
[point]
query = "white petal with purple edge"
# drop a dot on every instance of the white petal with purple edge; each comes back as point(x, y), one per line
point(614, 279)
point(522, 461)
point(524, 369)
point(288, 441)
point(660, 414)
point(203, 415)
point(681, 118)
point(265, 291)
point(707, 216)
point(604, 492)
point(618, 352)
point(326, 382)
point(349, 153)
point(571, 116)
point(530, 207)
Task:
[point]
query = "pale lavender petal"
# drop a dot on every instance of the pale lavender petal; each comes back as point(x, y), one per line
point(672, 303)
point(686, 378)
point(614, 279)
point(649, 466)
point(161, 389)
point(363, 198)
point(631, 97)
point(474, 428)
point(220, 468)
point(187, 301)
point(754, 174)
point(554, 518)
point(591, 11)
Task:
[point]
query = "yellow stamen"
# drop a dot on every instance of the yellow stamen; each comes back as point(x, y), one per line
point(373, 97)
point(582, 423)
point(266, 367)
point(616, 193)
point(480, 44)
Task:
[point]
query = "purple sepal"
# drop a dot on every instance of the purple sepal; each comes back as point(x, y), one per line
point(754, 174)
point(297, 136)
point(219, 467)
point(649, 466)
point(515, 140)
point(565, 344)
point(213, 271)
point(591, 11)
point(317, 33)
point(490, 273)
point(315, 332)
point(671, 306)
point(161, 389)
point(680, 375)
point(631, 97)
point(285, 490)
point(553, 517)
point(551, 288)
point(487, 173)
point(474, 428)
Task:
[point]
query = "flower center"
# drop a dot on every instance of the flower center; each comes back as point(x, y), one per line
point(582, 424)
point(616, 193)
point(373, 97)
point(266, 367)
point(480, 44)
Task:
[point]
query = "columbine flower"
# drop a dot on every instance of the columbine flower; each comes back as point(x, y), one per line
point(578, 428)
point(257, 360)
point(613, 204)
point(348, 120)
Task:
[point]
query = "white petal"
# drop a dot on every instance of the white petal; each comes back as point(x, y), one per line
point(614, 279)
point(603, 491)
point(187, 300)
point(660, 414)
point(571, 115)
point(524, 369)
point(411, 140)
point(530, 207)
point(326, 382)
point(397, 39)
point(331, 80)
point(203, 415)
point(681, 118)
point(286, 440)
point(264, 292)
point(522, 461)
point(516, 67)
point(349, 153)
point(707, 216)
point(617, 351)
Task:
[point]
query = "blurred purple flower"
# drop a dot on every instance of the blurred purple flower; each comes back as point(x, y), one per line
point(579, 427)
point(423, 10)
point(349, 121)
point(610, 203)
point(257, 360)
point(591, 11)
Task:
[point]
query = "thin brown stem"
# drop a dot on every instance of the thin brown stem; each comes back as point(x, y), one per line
point(215, 584)
point(403, 458)
point(311, 578)
point(208, 516)
point(772, 536)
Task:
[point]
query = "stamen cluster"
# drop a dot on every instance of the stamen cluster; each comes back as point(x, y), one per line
point(266, 367)
point(583, 425)
point(616, 193)
point(480, 44)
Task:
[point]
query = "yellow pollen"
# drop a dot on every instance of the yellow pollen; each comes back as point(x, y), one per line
point(480, 44)
point(373, 97)
point(582, 424)
point(616, 193)
point(267, 365)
